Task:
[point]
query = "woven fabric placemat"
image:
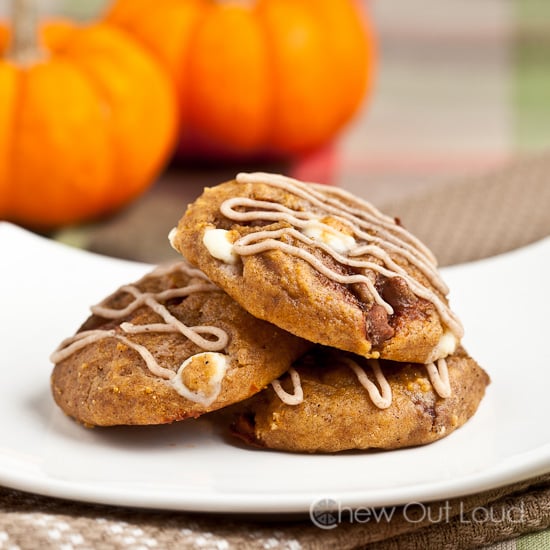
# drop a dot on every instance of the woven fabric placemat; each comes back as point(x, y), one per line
point(462, 221)
point(30, 522)
point(495, 213)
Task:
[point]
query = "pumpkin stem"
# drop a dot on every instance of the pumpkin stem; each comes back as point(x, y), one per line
point(24, 47)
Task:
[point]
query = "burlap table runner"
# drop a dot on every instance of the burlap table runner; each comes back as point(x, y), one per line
point(461, 221)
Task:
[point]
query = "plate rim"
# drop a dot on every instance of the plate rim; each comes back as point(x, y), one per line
point(512, 469)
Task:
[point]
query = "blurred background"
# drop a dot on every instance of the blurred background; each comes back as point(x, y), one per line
point(461, 89)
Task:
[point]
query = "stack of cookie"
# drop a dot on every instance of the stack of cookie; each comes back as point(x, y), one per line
point(322, 321)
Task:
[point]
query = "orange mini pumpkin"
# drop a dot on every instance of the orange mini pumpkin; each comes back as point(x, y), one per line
point(87, 118)
point(258, 77)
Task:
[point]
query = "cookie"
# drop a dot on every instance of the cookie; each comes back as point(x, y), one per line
point(321, 264)
point(168, 347)
point(332, 401)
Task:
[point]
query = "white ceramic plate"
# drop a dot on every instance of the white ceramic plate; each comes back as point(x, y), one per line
point(45, 291)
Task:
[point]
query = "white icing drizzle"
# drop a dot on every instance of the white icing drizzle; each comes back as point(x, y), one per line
point(77, 342)
point(268, 241)
point(439, 377)
point(150, 300)
point(365, 216)
point(171, 324)
point(382, 397)
point(290, 398)
point(360, 218)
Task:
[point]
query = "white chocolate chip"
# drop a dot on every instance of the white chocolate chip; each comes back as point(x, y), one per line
point(172, 237)
point(217, 365)
point(338, 241)
point(446, 346)
point(219, 245)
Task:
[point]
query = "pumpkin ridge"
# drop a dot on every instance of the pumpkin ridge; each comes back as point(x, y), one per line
point(73, 129)
point(127, 145)
point(265, 148)
point(292, 28)
point(101, 96)
point(6, 194)
point(12, 173)
point(187, 133)
point(227, 107)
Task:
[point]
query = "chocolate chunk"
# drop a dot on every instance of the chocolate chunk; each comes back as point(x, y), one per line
point(397, 293)
point(378, 328)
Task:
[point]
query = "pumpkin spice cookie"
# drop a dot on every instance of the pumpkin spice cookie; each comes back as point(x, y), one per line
point(332, 401)
point(165, 348)
point(321, 264)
